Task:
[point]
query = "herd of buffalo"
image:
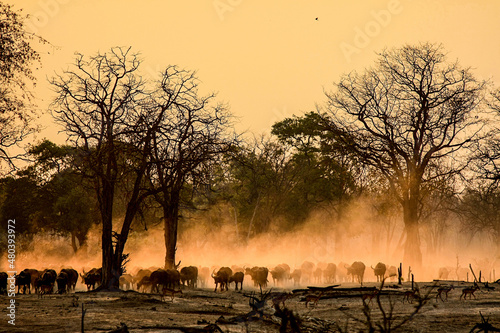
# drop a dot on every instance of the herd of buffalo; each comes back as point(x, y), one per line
point(157, 279)
point(161, 280)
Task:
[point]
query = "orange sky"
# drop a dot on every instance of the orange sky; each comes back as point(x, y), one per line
point(267, 59)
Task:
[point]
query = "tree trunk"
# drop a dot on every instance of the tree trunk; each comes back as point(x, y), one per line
point(339, 241)
point(497, 233)
point(171, 217)
point(82, 239)
point(107, 237)
point(107, 256)
point(73, 241)
point(412, 252)
point(376, 238)
point(339, 229)
point(132, 209)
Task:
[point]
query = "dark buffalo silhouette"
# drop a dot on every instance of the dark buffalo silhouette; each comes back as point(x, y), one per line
point(23, 279)
point(92, 278)
point(189, 276)
point(62, 281)
point(72, 278)
point(141, 273)
point(222, 278)
point(167, 278)
point(46, 281)
point(144, 283)
point(357, 271)
point(280, 273)
point(379, 271)
point(237, 278)
point(35, 275)
point(3, 282)
point(258, 275)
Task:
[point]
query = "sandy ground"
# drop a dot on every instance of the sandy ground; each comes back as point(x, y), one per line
point(195, 311)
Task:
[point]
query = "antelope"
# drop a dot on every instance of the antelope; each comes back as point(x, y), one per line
point(314, 298)
point(445, 290)
point(469, 291)
point(370, 296)
point(168, 291)
point(409, 295)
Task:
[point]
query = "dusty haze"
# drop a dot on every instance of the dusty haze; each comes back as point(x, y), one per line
point(215, 243)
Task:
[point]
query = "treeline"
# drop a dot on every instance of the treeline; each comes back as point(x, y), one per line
point(265, 184)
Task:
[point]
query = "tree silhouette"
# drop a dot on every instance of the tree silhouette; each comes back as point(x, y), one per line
point(99, 104)
point(189, 134)
point(410, 116)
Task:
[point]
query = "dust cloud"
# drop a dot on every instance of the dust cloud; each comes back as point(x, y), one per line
point(205, 242)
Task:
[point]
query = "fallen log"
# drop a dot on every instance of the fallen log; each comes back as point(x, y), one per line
point(450, 281)
point(313, 288)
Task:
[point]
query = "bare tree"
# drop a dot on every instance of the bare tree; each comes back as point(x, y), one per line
point(99, 103)
point(410, 116)
point(190, 132)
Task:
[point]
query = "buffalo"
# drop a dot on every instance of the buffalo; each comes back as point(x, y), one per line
point(392, 272)
point(318, 275)
point(307, 269)
point(443, 273)
point(173, 279)
point(379, 271)
point(237, 278)
point(126, 282)
point(35, 275)
point(222, 278)
point(157, 278)
point(3, 282)
point(140, 275)
point(92, 277)
point(203, 275)
point(330, 272)
point(167, 278)
point(342, 272)
point(258, 275)
point(62, 281)
point(296, 275)
point(280, 273)
point(23, 279)
point(72, 278)
point(46, 281)
point(144, 283)
point(357, 271)
point(189, 276)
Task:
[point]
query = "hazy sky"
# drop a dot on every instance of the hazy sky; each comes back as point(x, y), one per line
point(267, 59)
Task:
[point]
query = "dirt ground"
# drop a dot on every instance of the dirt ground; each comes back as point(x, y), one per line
point(203, 310)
